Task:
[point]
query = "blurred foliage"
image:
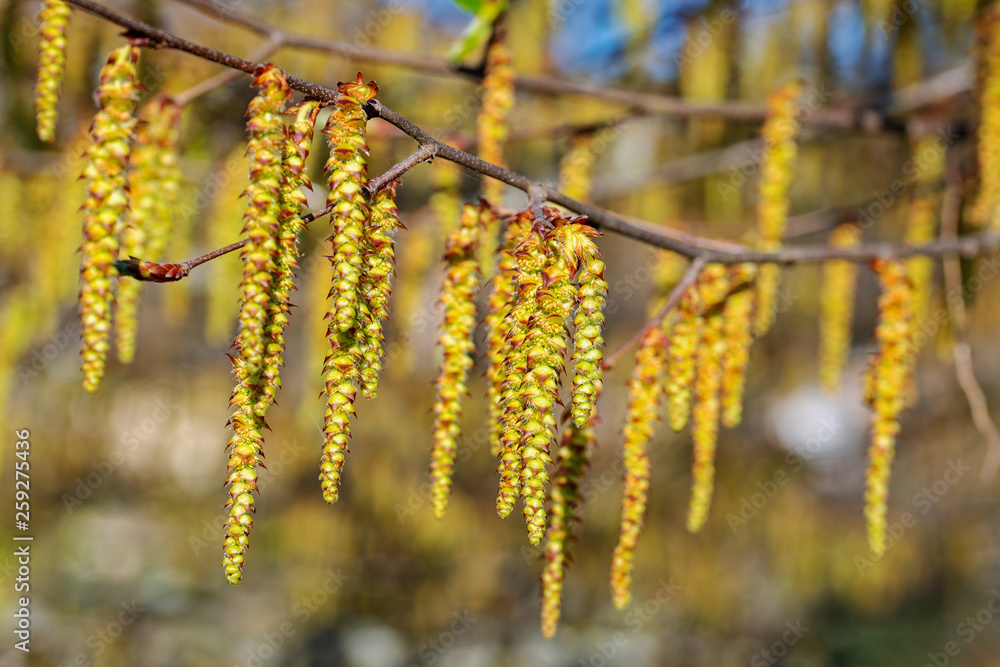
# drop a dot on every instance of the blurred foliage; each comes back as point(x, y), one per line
point(127, 498)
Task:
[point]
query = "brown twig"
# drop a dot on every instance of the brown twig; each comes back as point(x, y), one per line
point(690, 275)
point(223, 77)
point(964, 370)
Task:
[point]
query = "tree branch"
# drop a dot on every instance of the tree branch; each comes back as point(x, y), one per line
point(967, 246)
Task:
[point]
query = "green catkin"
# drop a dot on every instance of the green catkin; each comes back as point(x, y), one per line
point(260, 255)
point(458, 296)
point(298, 139)
point(840, 278)
point(380, 265)
point(645, 389)
point(738, 317)
point(776, 171)
point(347, 173)
point(572, 460)
point(503, 287)
point(54, 19)
point(588, 325)
point(886, 388)
point(154, 179)
point(105, 204)
point(530, 259)
point(545, 352)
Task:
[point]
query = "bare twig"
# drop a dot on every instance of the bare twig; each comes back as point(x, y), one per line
point(690, 275)
point(964, 369)
point(223, 77)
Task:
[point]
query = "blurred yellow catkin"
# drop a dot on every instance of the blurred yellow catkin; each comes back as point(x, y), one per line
point(837, 309)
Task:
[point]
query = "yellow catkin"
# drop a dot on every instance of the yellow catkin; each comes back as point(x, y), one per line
point(645, 388)
point(106, 203)
point(571, 463)
point(776, 172)
point(54, 19)
point(921, 219)
point(837, 309)
point(458, 296)
point(984, 209)
point(347, 173)
point(886, 388)
point(492, 127)
point(380, 263)
point(262, 229)
point(737, 316)
point(705, 416)
point(682, 350)
point(502, 289)
point(576, 169)
point(530, 259)
point(154, 179)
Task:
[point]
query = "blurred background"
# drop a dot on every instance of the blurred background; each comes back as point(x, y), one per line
point(127, 484)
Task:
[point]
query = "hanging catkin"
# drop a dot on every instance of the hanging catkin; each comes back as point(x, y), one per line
point(106, 203)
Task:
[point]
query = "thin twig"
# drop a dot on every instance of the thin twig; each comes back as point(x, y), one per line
point(225, 76)
point(962, 352)
point(942, 86)
point(690, 275)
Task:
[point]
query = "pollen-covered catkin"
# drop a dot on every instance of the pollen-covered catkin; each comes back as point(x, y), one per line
point(776, 171)
point(245, 455)
point(737, 315)
point(681, 366)
point(837, 309)
point(380, 263)
point(261, 221)
point(492, 127)
point(347, 172)
point(886, 382)
point(545, 352)
point(588, 323)
point(645, 388)
point(530, 259)
point(497, 324)
point(53, 20)
point(105, 204)
point(154, 180)
point(705, 416)
point(262, 230)
point(295, 152)
point(571, 462)
point(458, 295)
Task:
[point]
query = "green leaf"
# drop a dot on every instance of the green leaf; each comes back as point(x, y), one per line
point(477, 32)
point(472, 6)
